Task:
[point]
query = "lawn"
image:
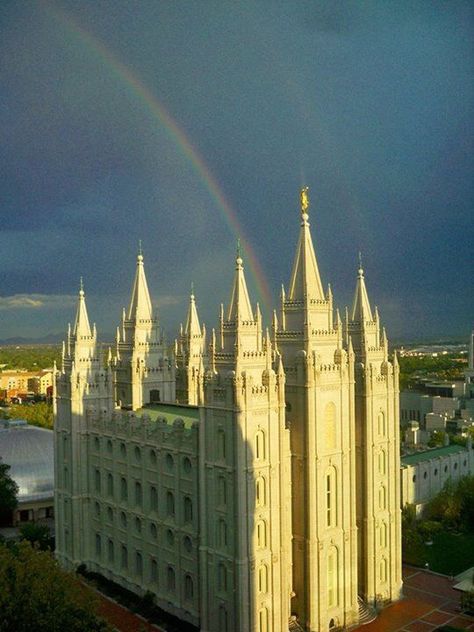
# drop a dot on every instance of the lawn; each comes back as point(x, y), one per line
point(450, 554)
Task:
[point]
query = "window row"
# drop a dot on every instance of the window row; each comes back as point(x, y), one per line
point(152, 455)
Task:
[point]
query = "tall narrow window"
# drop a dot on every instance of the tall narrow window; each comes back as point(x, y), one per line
point(382, 465)
point(188, 509)
point(383, 570)
point(382, 498)
point(263, 578)
point(332, 577)
point(221, 451)
point(331, 497)
point(171, 579)
point(260, 491)
point(330, 425)
point(169, 503)
point(138, 564)
point(110, 546)
point(188, 587)
point(97, 480)
point(124, 557)
point(222, 577)
point(110, 484)
point(222, 533)
point(153, 570)
point(153, 498)
point(383, 535)
point(263, 620)
point(381, 423)
point(123, 489)
point(261, 534)
point(223, 619)
point(138, 494)
point(98, 545)
point(222, 490)
point(259, 445)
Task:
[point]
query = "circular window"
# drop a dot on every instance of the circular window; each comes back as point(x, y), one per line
point(188, 545)
point(187, 466)
point(153, 531)
point(170, 537)
point(123, 450)
point(110, 514)
point(138, 525)
point(138, 454)
point(152, 457)
point(109, 446)
point(169, 462)
point(123, 519)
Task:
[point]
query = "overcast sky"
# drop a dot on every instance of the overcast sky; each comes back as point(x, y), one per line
point(368, 103)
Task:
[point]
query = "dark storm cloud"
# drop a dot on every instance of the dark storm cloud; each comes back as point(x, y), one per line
point(371, 104)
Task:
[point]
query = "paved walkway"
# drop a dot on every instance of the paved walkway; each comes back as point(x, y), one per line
point(430, 602)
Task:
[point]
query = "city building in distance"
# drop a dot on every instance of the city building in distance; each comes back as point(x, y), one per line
point(249, 481)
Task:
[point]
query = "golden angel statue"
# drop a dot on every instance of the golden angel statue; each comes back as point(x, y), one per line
point(304, 199)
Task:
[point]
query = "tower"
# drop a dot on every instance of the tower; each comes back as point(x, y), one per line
point(320, 414)
point(245, 550)
point(143, 371)
point(377, 449)
point(190, 352)
point(82, 383)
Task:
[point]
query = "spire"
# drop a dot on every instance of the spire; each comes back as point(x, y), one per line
point(305, 279)
point(192, 321)
point(239, 308)
point(361, 311)
point(81, 324)
point(140, 304)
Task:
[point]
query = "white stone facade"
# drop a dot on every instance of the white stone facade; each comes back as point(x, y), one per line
point(270, 493)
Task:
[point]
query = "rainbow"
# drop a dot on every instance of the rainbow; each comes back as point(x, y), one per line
point(151, 103)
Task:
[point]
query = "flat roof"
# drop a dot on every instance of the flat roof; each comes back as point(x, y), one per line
point(170, 412)
point(435, 453)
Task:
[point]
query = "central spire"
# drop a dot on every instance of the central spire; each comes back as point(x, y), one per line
point(239, 308)
point(140, 304)
point(361, 311)
point(81, 324)
point(192, 321)
point(305, 279)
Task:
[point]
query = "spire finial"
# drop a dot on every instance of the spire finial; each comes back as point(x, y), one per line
point(304, 201)
point(361, 271)
point(81, 286)
point(140, 251)
point(192, 289)
point(238, 259)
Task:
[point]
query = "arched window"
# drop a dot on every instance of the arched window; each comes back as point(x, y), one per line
point(222, 490)
point(124, 557)
point(259, 444)
point(332, 577)
point(330, 425)
point(110, 551)
point(382, 498)
point(138, 454)
point(383, 570)
point(188, 587)
point(152, 457)
point(97, 480)
point(263, 578)
point(222, 577)
point(153, 531)
point(221, 451)
point(110, 514)
point(153, 570)
point(138, 564)
point(263, 620)
point(123, 489)
point(171, 579)
point(123, 520)
point(383, 535)
point(188, 509)
point(223, 619)
point(331, 497)
point(169, 503)
point(153, 498)
point(97, 509)
point(260, 491)
point(169, 461)
point(138, 525)
point(261, 534)
point(110, 484)
point(98, 545)
point(381, 424)
point(222, 532)
point(138, 494)
point(382, 464)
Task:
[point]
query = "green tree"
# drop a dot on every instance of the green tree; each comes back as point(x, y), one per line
point(39, 414)
point(8, 492)
point(37, 534)
point(36, 594)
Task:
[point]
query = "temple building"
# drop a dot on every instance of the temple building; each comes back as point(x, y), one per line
point(249, 481)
